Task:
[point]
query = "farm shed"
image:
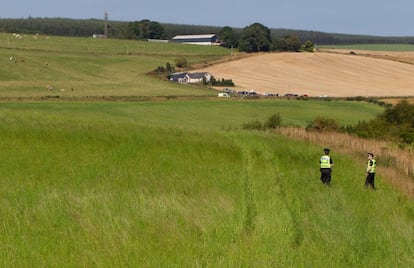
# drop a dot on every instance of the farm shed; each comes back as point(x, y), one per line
point(197, 39)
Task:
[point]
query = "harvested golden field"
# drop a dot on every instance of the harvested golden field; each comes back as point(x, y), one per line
point(321, 73)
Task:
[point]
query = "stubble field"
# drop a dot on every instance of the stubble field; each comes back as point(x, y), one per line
point(335, 73)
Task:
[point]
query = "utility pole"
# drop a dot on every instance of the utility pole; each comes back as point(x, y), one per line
point(106, 24)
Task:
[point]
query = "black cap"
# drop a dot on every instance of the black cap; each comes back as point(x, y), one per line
point(326, 150)
point(371, 154)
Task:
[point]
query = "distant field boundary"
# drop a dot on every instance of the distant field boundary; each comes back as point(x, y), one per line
point(389, 100)
point(373, 47)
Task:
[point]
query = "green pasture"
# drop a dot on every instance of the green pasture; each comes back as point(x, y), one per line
point(98, 185)
point(93, 67)
point(196, 114)
point(374, 47)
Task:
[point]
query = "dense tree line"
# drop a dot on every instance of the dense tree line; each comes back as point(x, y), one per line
point(62, 27)
point(258, 38)
point(145, 29)
point(120, 29)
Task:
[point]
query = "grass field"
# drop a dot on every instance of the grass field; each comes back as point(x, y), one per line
point(193, 114)
point(82, 187)
point(92, 67)
point(175, 182)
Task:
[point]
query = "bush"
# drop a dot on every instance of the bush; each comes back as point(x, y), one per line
point(322, 124)
point(256, 124)
point(165, 70)
point(181, 62)
point(274, 121)
point(395, 124)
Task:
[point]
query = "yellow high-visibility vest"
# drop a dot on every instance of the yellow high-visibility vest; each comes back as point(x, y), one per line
point(373, 168)
point(325, 161)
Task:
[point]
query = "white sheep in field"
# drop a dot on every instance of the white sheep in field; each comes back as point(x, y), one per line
point(50, 88)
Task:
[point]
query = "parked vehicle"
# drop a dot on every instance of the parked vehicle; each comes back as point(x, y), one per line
point(291, 95)
point(228, 90)
point(224, 95)
point(271, 94)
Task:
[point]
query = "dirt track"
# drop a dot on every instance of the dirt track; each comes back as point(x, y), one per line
point(319, 74)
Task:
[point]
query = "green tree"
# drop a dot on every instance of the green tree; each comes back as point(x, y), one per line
point(156, 30)
point(145, 29)
point(308, 46)
point(274, 121)
point(255, 38)
point(229, 37)
point(287, 43)
point(293, 43)
point(181, 62)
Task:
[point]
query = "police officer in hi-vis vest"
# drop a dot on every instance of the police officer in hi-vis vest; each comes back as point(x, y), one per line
point(326, 164)
point(370, 172)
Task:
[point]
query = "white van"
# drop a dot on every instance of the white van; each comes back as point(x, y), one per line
point(223, 95)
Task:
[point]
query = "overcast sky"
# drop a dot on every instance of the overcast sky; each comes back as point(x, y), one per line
point(368, 17)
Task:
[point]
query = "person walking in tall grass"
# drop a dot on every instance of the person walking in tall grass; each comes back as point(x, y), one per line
point(326, 164)
point(370, 171)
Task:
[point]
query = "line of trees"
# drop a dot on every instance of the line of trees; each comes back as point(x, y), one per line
point(257, 38)
point(145, 29)
point(62, 27)
point(136, 30)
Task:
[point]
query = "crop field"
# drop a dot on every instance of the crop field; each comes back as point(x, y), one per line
point(175, 181)
point(321, 74)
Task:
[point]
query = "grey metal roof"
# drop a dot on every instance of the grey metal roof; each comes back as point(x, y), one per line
point(192, 36)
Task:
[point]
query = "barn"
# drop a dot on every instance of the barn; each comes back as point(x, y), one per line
point(196, 39)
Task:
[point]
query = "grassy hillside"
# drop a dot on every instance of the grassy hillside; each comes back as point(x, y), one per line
point(81, 188)
point(92, 67)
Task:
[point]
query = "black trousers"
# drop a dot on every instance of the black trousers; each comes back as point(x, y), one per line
point(326, 175)
point(369, 181)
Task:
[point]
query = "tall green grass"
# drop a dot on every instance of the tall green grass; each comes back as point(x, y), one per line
point(194, 114)
point(81, 186)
